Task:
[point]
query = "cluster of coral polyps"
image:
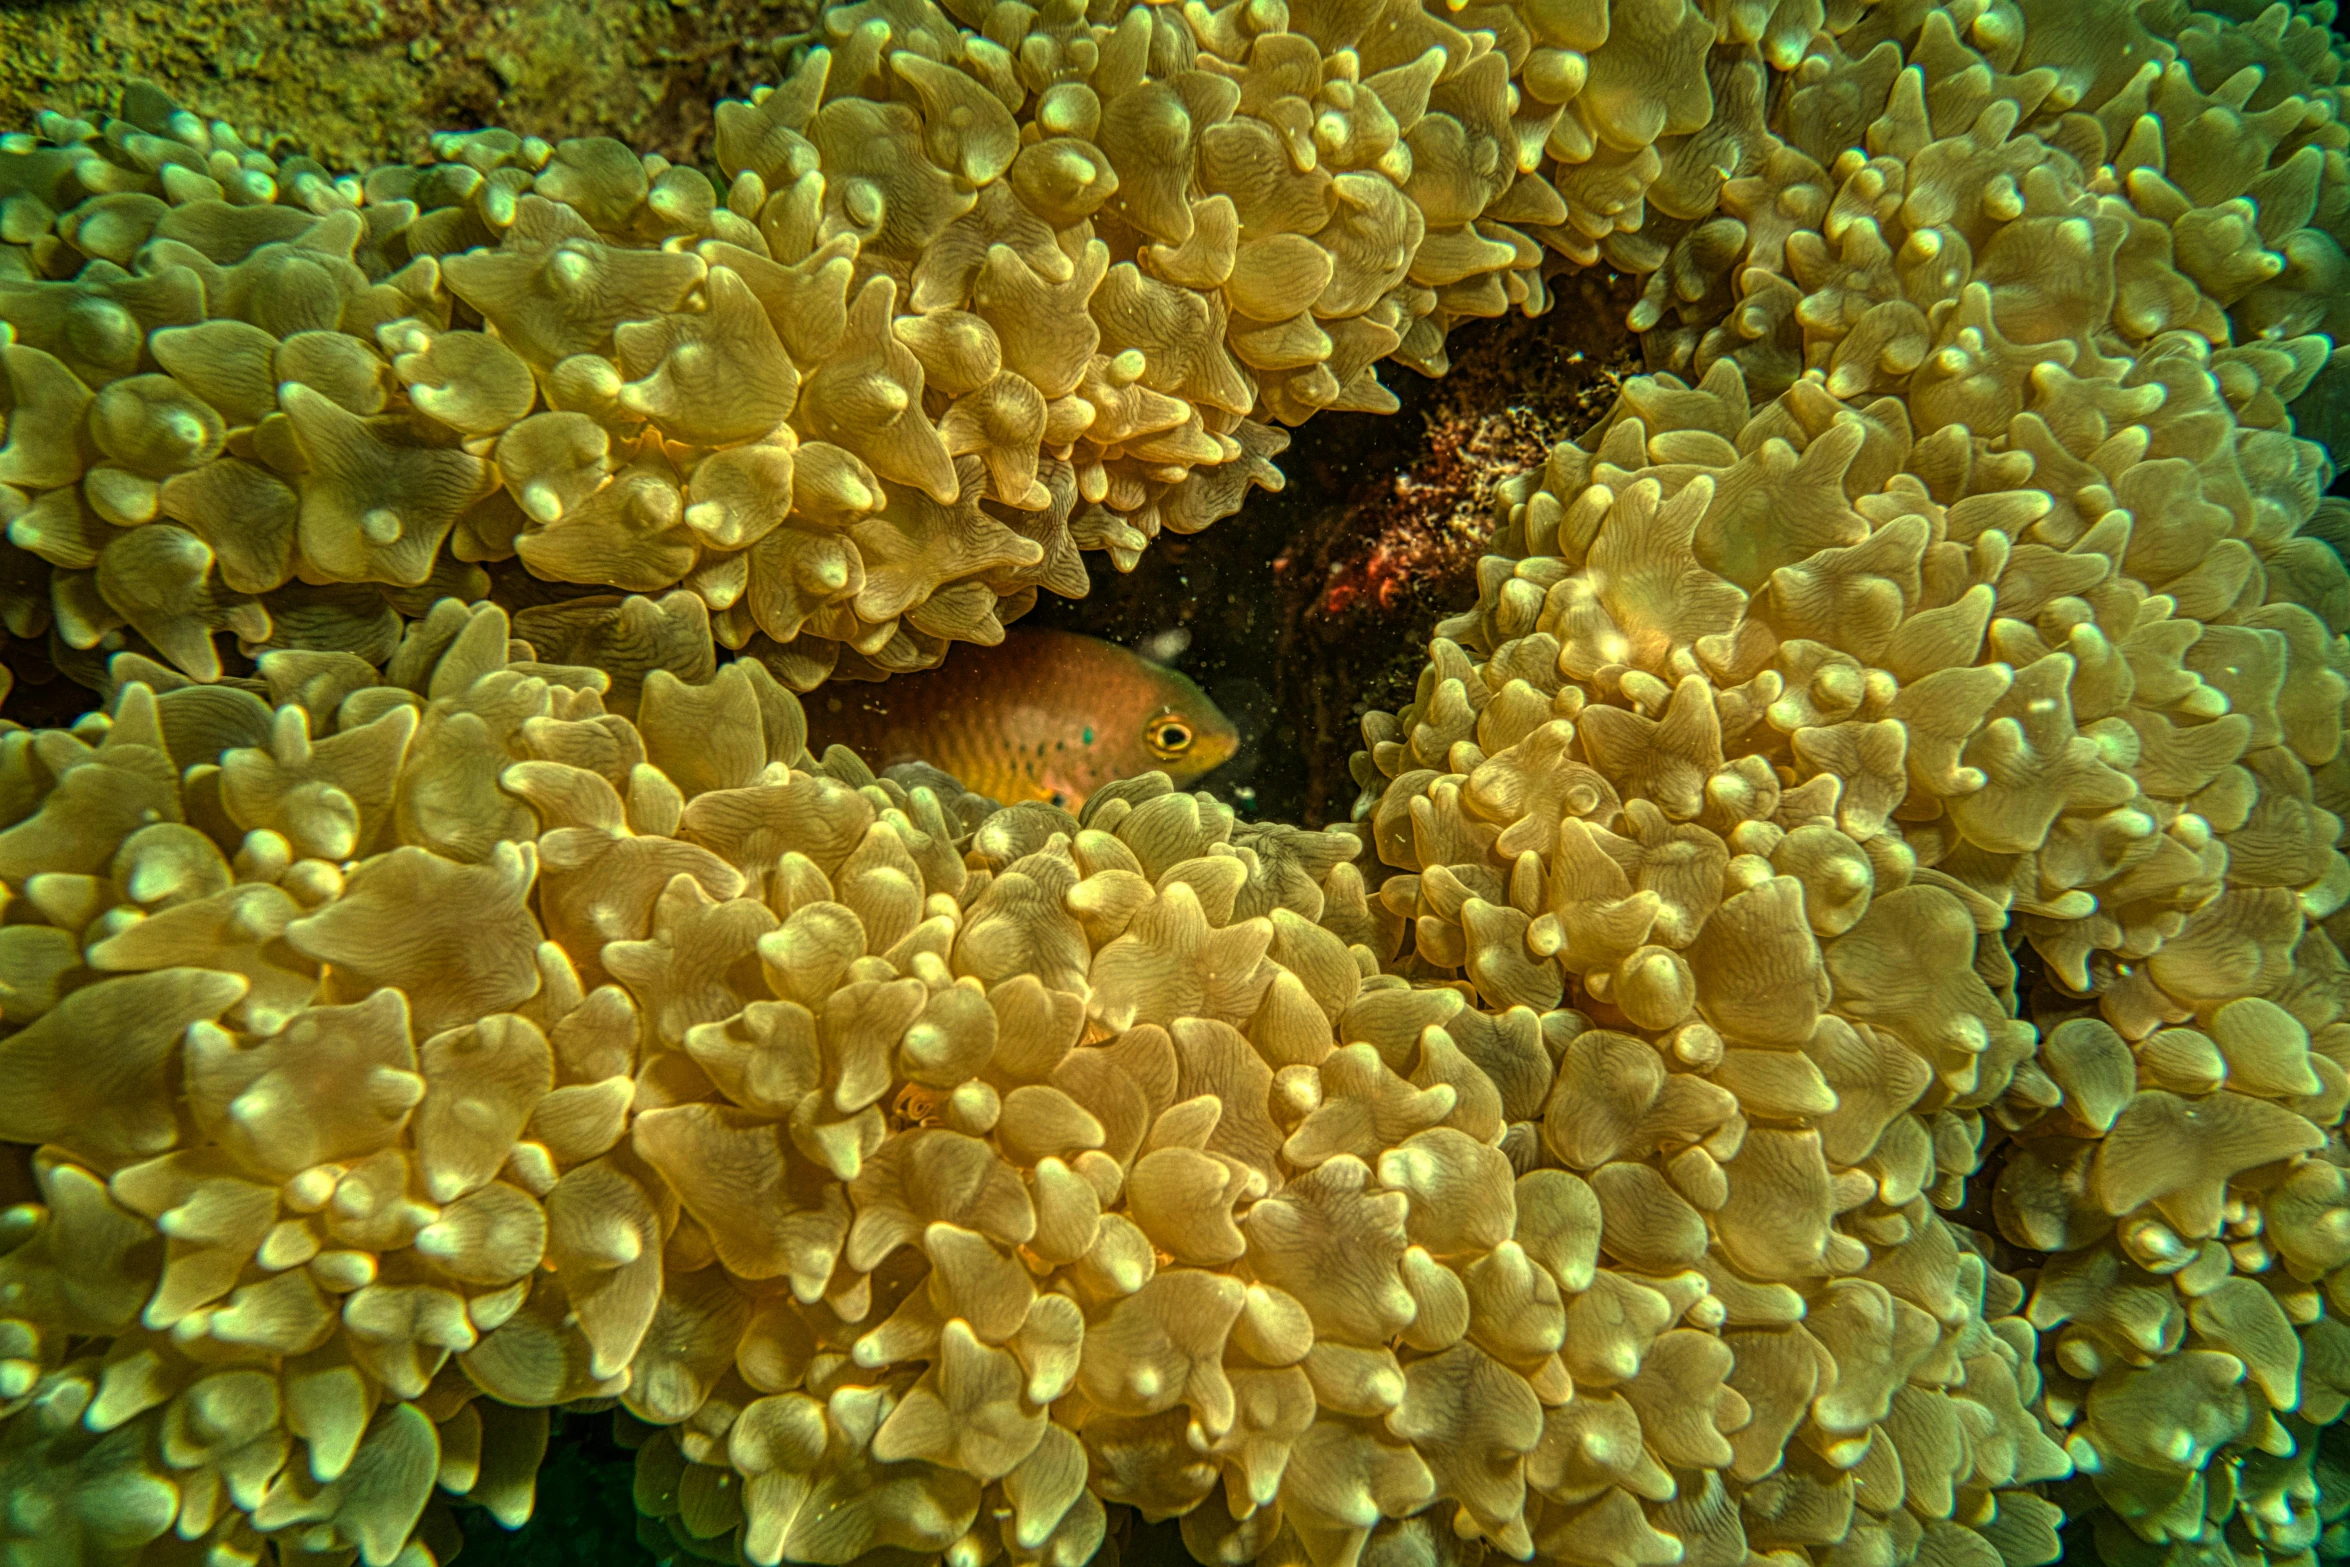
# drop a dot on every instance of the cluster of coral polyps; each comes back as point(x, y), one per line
point(1787, 726)
point(1783, 810)
point(406, 1055)
point(1909, 729)
point(971, 300)
point(975, 292)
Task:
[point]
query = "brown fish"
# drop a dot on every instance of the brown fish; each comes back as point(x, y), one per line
point(1044, 715)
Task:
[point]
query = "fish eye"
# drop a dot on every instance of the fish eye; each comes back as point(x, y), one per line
point(1168, 737)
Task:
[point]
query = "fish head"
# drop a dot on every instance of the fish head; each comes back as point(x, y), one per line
point(1185, 735)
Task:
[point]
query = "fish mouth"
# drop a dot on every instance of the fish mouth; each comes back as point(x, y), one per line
point(1214, 753)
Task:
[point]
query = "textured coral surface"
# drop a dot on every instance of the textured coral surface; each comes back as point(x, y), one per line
point(1825, 1041)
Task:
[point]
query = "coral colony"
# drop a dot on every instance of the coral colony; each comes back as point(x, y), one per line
point(1824, 1043)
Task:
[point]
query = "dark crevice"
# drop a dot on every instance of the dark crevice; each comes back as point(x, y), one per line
point(1315, 604)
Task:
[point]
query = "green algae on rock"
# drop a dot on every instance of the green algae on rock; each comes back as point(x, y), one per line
point(355, 84)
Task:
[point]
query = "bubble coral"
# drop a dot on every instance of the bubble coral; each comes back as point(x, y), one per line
point(1905, 731)
point(972, 293)
point(721, 1079)
point(1834, 675)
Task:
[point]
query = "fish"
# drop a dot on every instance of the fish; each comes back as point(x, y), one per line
point(1043, 715)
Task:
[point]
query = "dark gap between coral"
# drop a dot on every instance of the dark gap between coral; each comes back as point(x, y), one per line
point(1315, 604)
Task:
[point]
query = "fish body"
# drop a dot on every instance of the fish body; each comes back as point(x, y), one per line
point(1044, 715)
